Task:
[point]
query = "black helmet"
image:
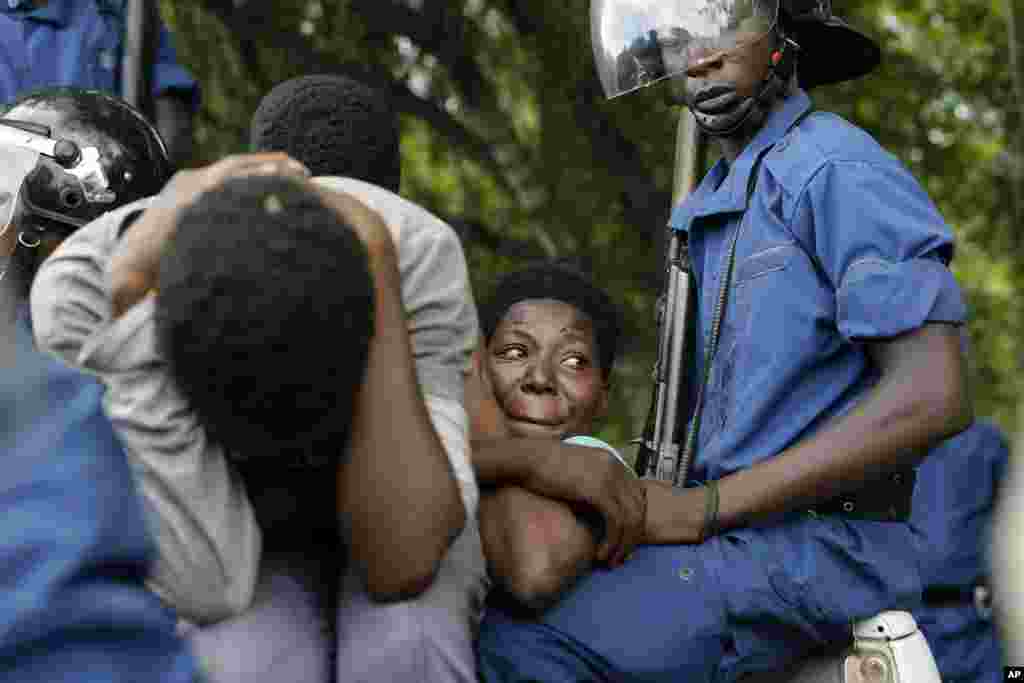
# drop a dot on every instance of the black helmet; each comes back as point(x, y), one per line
point(69, 155)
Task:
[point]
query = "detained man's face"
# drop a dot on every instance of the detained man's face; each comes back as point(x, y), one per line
point(544, 371)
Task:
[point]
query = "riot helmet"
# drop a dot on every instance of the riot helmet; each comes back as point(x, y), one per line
point(69, 155)
point(641, 42)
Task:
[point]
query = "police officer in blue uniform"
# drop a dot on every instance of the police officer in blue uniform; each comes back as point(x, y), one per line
point(827, 364)
point(74, 548)
point(80, 43)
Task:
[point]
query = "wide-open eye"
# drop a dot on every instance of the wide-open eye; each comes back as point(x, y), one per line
point(576, 361)
point(511, 353)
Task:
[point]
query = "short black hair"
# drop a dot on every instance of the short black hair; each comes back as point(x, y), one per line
point(334, 125)
point(265, 313)
point(560, 280)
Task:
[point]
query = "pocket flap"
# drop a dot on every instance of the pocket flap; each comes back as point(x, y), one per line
point(765, 261)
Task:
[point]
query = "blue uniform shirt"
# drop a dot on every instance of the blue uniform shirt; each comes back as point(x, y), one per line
point(74, 549)
point(74, 43)
point(840, 245)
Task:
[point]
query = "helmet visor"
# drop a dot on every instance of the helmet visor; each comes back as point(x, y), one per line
point(15, 165)
point(640, 42)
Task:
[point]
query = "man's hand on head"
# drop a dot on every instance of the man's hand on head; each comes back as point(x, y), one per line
point(373, 232)
point(135, 263)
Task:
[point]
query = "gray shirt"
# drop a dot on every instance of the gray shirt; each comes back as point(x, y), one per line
point(208, 540)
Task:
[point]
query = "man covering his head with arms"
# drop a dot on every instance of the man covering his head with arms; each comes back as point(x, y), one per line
point(74, 549)
point(341, 128)
point(277, 305)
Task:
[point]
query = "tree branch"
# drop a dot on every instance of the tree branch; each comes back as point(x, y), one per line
point(646, 207)
point(250, 23)
point(437, 29)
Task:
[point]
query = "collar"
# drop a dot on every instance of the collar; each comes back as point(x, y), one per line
point(724, 188)
point(56, 12)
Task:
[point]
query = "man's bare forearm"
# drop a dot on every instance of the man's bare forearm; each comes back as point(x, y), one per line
point(398, 497)
point(507, 461)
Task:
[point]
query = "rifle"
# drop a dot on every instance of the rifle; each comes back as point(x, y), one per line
point(660, 446)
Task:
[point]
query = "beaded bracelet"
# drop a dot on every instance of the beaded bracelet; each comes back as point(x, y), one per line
point(710, 511)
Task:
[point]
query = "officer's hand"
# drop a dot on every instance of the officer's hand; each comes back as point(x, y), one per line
point(134, 264)
point(591, 477)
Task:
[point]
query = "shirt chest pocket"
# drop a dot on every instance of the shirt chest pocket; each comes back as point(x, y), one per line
point(760, 289)
point(765, 262)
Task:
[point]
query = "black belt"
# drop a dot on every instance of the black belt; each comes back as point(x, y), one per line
point(885, 499)
point(948, 596)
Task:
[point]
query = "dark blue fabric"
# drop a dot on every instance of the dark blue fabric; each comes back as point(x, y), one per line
point(745, 601)
point(75, 43)
point(839, 245)
point(953, 503)
point(74, 550)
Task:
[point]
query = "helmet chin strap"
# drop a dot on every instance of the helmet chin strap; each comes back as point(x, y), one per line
point(783, 64)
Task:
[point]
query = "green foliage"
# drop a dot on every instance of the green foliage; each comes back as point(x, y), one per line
point(507, 135)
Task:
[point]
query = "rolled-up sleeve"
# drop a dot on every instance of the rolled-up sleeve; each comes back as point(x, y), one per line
point(884, 247)
point(206, 533)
